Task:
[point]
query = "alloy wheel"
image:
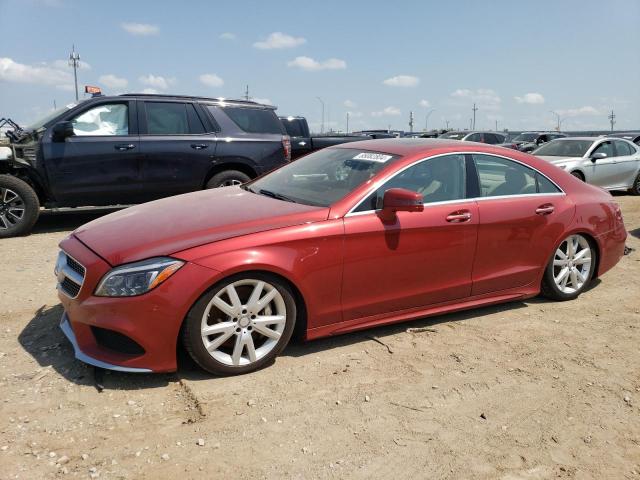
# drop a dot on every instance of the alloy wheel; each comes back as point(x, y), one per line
point(232, 182)
point(12, 208)
point(572, 264)
point(243, 322)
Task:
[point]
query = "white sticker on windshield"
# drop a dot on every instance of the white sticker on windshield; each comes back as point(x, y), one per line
point(373, 157)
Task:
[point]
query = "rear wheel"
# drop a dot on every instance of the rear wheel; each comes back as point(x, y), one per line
point(635, 189)
point(570, 269)
point(228, 178)
point(19, 207)
point(241, 324)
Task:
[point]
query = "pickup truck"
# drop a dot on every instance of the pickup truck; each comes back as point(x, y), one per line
point(302, 142)
point(128, 149)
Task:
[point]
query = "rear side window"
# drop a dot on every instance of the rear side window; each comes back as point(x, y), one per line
point(476, 137)
point(623, 148)
point(499, 177)
point(164, 118)
point(254, 120)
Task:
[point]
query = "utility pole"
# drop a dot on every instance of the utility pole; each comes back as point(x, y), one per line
point(475, 109)
point(426, 120)
point(321, 124)
point(74, 61)
point(246, 93)
point(612, 119)
point(447, 122)
point(496, 126)
point(411, 121)
point(347, 123)
point(558, 120)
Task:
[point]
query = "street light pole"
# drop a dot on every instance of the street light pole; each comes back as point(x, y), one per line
point(347, 123)
point(322, 124)
point(74, 61)
point(426, 119)
point(475, 109)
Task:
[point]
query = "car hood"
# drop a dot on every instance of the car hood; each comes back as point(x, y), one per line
point(556, 160)
point(177, 223)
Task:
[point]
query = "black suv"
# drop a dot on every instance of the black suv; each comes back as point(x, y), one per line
point(529, 141)
point(128, 149)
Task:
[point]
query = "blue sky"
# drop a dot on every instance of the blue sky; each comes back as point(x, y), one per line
point(377, 60)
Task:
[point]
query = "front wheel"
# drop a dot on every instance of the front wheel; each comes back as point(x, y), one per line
point(241, 324)
point(570, 269)
point(19, 207)
point(228, 178)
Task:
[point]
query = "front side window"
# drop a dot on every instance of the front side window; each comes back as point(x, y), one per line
point(564, 148)
point(606, 148)
point(475, 137)
point(323, 177)
point(499, 177)
point(104, 120)
point(438, 179)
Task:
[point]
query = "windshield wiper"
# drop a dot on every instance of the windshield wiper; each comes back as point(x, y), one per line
point(279, 196)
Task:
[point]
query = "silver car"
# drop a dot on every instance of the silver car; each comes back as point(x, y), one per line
point(610, 163)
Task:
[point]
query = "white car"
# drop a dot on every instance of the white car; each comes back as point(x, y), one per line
point(610, 163)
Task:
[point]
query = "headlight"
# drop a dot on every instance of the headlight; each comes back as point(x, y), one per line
point(137, 278)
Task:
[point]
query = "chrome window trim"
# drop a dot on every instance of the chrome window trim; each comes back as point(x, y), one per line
point(377, 185)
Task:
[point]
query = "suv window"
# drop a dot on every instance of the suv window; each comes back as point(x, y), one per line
point(475, 137)
point(605, 147)
point(438, 179)
point(167, 118)
point(623, 148)
point(107, 119)
point(293, 127)
point(499, 177)
point(254, 120)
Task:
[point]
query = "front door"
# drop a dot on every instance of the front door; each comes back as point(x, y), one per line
point(99, 164)
point(602, 171)
point(418, 258)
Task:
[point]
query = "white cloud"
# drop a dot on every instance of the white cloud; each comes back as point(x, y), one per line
point(111, 81)
point(485, 98)
point(279, 40)
point(152, 91)
point(12, 71)
point(264, 101)
point(425, 103)
point(156, 81)
point(350, 104)
point(402, 81)
point(211, 80)
point(228, 36)
point(531, 98)
point(388, 111)
point(577, 112)
point(311, 65)
point(140, 29)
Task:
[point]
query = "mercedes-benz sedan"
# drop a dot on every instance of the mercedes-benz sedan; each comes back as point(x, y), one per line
point(613, 164)
point(349, 237)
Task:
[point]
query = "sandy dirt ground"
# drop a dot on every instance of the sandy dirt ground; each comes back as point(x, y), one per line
point(526, 390)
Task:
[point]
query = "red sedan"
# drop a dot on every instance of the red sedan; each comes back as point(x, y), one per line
point(350, 237)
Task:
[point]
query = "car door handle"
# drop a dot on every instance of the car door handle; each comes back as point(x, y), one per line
point(545, 209)
point(459, 217)
point(199, 146)
point(302, 144)
point(123, 147)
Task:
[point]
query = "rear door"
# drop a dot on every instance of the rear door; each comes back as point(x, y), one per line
point(522, 213)
point(100, 163)
point(177, 151)
point(627, 163)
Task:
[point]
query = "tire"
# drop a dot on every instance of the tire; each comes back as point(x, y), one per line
point(228, 178)
point(19, 207)
point(580, 267)
point(236, 328)
point(635, 188)
point(578, 175)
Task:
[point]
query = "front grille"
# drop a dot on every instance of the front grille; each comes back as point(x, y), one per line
point(70, 274)
point(29, 153)
point(116, 341)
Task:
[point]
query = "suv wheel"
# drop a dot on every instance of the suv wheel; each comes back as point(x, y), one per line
point(19, 207)
point(228, 178)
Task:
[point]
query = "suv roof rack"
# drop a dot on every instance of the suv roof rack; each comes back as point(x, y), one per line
point(191, 97)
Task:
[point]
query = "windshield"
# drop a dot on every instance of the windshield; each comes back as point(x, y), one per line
point(526, 137)
point(40, 123)
point(324, 177)
point(454, 135)
point(564, 148)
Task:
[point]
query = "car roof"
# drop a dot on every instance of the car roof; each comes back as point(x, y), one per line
point(405, 146)
point(591, 139)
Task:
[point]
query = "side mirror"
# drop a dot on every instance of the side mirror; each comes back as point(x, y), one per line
point(540, 141)
point(61, 131)
point(598, 156)
point(402, 200)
